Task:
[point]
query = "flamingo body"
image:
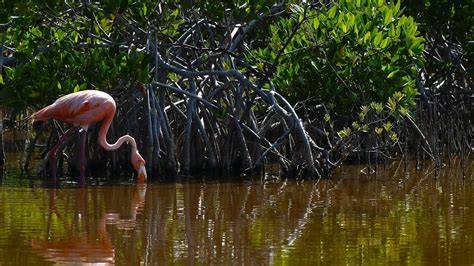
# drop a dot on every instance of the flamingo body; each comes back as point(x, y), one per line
point(84, 108)
point(81, 108)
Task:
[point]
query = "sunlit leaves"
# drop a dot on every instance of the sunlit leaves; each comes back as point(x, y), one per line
point(391, 104)
point(403, 111)
point(64, 51)
point(327, 117)
point(332, 11)
point(378, 38)
point(315, 23)
point(384, 43)
point(355, 125)
point(387, 16)
point(393, 73)
point(378, 107)
point(344, 133)
point(363, 112)
point(393, 136)
point(387, 126)
point(379, 120)
point(396, 7)
point(36, 31)
point(79, 87)
point(367, 51)
point(366, 36)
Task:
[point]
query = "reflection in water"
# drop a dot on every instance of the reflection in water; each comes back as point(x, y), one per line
point(84, 247)
point(350, 219)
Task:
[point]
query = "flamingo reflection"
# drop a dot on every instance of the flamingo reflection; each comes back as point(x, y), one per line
point(85, 247)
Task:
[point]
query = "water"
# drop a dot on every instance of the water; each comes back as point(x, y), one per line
point(388, 218)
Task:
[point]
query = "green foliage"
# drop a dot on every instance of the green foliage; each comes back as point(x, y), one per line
point(60, 47)
point(240, 11)
point(58, 52)
point(380, 119)
point(341, 54)
point(345, 54)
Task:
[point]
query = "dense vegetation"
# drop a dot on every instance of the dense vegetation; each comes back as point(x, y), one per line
point(232, 85)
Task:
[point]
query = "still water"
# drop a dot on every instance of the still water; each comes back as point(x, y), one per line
point(392, 217)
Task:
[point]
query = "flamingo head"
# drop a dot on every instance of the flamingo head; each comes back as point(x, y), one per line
point(139, 164)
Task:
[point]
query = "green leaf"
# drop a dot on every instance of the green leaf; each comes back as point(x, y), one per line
point(387, 126)
point(388, 17)
point(315, 23)
point(332, 11)
point(392, 73)
point(403, 111)
point(391, 104)
point(378, 38)
point(367, 37)
point(344, 27)
point(175, 13)
point(345, 132)
point(378, 107)
point(398, 95)
point(10, 73)
point(355, 125)
point(58, 34)
point(36, 31)
point(350, 19)
point(398, 30)
point(391, 31)
point(396, 8)
point(76, 88)
point(75, 35)
point(384, 43)
point(365, 109)
point(417, 46)
point(340, 18)
point(327, 117)
point(393, 136)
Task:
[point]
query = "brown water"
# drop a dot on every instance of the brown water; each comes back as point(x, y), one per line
point(388, 218)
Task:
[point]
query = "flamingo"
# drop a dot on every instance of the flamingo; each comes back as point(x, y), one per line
point(82, 109)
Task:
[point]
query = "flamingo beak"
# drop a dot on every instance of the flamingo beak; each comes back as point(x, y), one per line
point(141, 173)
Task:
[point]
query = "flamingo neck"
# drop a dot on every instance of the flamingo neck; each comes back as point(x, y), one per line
point(110, 147)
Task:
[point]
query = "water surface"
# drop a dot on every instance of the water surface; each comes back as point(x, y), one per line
point(392, 217)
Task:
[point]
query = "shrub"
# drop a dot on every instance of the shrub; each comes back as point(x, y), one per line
point(346, 54)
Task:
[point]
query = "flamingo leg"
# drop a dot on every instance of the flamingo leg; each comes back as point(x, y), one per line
point(53, 154)
point(82, 163)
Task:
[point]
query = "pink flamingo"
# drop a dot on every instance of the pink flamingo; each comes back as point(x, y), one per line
point(82, 109)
